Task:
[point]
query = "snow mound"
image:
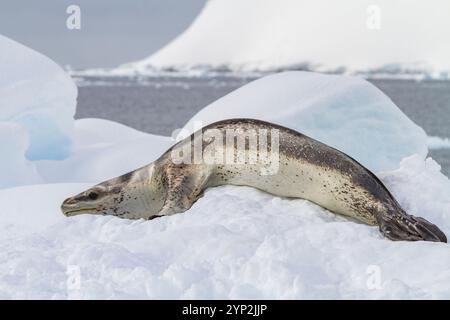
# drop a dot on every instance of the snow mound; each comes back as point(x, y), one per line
point(360, 36)
point(347, 113)
point(15, 169)
point(103, 149)
point(38, 96)
point(235, 242)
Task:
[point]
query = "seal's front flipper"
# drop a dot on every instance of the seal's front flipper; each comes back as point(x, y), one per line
point(182, 191)
point(409, 228)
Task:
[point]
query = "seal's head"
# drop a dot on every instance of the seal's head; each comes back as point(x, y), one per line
point(100, 199)
point(129, 196)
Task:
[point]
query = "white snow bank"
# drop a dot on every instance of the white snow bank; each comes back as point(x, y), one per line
point(15, 169)
point(407, 184)
point(19, 217)
point(235, 242)
point(103, 149)
point(347, 113)
point(39, 96)
point(410, 38)
point(438, 143)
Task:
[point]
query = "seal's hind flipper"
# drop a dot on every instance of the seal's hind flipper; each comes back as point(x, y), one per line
point(429, 229)
point(409, 228)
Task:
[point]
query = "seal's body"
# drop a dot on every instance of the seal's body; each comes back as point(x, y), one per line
point(272, 158)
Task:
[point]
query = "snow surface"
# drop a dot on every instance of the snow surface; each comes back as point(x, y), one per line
point(347, 113)
point(235, 242)
point(248, 35)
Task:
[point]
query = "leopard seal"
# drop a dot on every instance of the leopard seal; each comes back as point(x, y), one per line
point(299, 167)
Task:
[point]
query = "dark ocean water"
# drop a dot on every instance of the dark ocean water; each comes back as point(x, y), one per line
point(161, 105)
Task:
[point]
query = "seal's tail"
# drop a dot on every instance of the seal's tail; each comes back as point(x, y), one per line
point(409, 228)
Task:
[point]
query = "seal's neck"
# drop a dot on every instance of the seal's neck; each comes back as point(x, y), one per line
point(150, 184)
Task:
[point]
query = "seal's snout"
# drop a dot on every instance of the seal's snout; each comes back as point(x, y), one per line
point(411, 228)
point(74, 206)
point(68, 205)
point(86, 202)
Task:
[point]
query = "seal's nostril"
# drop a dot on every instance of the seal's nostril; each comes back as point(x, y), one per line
point(69, 201)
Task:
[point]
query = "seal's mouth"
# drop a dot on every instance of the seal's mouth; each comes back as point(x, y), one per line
point(71, 207)
point(74, 212)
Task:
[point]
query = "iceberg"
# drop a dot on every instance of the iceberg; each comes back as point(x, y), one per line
point(381, 37)
point(39, 140)
point(38, 96)
point(101, 150)
point(347, 113)
point(15, 168)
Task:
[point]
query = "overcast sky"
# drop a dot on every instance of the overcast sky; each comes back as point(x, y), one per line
point(112, 31)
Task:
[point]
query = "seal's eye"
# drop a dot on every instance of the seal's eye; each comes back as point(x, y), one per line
point(93, 195)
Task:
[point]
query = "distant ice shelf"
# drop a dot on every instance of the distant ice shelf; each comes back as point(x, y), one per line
point(376, 39)
point(205, 71)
